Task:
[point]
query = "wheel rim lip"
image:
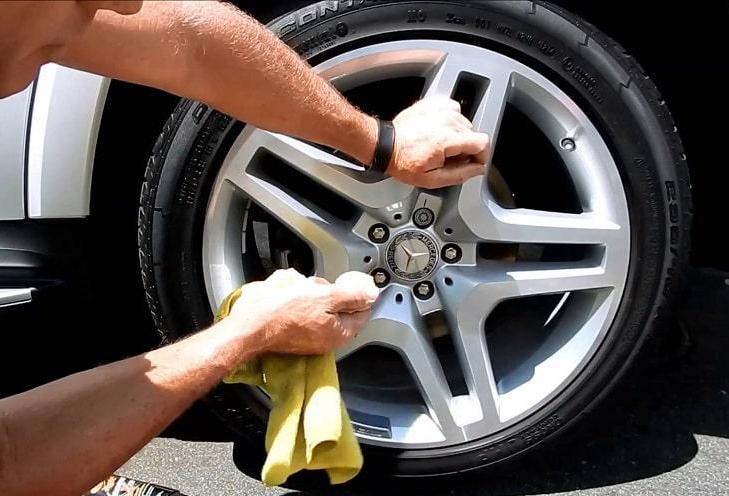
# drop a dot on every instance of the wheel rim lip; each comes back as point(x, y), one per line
point(346, 68)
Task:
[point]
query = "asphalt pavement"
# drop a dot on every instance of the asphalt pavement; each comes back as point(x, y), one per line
point(665, 431)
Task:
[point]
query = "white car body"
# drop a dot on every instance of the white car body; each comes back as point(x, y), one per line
point(48, 136)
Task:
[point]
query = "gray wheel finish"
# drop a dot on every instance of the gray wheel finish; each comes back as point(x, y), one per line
point(466, 292)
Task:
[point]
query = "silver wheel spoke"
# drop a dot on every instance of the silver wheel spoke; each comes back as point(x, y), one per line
point(401, 328)
point(336, 249)
point(472, 295)
point(444, 76)
point(490, 283)
point(335, 173)
point(489, 221)
point(490, 109)
point(487, 118)
point(470, 343)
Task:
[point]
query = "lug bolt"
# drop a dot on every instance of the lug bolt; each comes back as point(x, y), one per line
point(381, 277)
point(424, 290)
point(423, 217)
point(379, 233)
point(568, 144)
point(451, 253)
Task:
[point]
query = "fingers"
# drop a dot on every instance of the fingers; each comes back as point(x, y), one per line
point(285, 277)
point(461, 122)
point(353, 323)
point(439, 102)
point(353, 292)
point(450, 176)
point(482, 157)
point(474, 144)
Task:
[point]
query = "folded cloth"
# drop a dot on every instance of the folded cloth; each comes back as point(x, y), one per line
point(308, 427)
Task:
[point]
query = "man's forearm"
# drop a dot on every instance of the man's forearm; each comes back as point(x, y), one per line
point(216, 54)
point(64, 437)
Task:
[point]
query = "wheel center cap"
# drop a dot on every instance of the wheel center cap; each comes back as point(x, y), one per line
point(412, 255)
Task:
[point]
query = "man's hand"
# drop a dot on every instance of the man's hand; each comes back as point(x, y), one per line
point(435, 145)
point(295, 314)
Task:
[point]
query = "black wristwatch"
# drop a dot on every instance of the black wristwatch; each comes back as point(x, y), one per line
point(385, 146)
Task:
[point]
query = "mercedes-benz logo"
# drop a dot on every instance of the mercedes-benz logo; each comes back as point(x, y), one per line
point(412, 255)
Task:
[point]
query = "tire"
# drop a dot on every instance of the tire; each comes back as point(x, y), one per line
point(609, 86)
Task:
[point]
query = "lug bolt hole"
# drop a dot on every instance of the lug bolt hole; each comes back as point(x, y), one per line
point(568, 144)
point(451, 253)
point(381, 277)
point(423, 290)
point(378, 233)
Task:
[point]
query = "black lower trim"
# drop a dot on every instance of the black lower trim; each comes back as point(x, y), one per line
point(41, 253)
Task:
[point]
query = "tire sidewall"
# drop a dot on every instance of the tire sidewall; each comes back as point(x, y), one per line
point(566, 50)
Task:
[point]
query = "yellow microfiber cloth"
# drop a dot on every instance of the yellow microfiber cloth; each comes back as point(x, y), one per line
point(308, 427)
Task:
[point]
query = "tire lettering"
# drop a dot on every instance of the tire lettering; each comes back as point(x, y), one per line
point(323, 39)
point(307, 15)
point(342, 30)
point(671, 191)
point(525, 38)
point(482, 23)
point(198, 113)
point(546, 48)
point(673, 212)
point(454, 19)
point(535, 433)
point(674, 233)
point(584, 78)
point(505, 30)
point(328, 6)
point(285, 26)
point(416, 15)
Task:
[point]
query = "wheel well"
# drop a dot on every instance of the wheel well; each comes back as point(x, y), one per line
point(132, 120)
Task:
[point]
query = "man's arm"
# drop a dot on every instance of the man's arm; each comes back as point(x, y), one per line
point(66, 436)
point(214, 53)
